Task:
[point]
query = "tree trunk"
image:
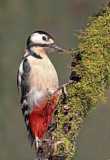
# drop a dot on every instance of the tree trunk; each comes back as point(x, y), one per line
point(90, 71)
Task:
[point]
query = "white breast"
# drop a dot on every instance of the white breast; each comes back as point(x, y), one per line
point(43, 79)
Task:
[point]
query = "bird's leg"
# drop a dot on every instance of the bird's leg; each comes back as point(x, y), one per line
point(63, 89)
point(64, 86)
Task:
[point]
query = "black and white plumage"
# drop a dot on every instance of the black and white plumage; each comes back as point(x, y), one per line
point(36, 79)
point(22, 83)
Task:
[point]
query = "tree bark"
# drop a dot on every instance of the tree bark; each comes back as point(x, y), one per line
point(90, 71)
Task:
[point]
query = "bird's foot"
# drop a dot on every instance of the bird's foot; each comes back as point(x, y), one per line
point(63, 86)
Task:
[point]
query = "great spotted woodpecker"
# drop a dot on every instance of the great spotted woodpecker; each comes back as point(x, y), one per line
point(38, 82)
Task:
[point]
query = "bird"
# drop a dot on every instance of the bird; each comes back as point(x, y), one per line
point(38, 83)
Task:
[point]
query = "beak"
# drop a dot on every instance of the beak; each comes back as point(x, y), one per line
point(57, 48)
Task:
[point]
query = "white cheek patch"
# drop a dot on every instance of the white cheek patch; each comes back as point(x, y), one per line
point(37, 38)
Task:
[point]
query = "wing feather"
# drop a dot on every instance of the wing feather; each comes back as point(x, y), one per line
point(22, 84)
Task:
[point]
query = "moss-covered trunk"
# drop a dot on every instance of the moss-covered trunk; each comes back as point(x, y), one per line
point(90, 71)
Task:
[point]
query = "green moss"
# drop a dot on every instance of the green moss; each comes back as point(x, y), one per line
point(90, 71)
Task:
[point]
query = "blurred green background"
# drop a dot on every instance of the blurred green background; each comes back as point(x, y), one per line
point(64, 19)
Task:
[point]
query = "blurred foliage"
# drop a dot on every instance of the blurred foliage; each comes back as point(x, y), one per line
point(90, 70)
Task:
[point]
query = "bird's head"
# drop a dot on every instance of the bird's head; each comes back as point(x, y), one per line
point(42, 41)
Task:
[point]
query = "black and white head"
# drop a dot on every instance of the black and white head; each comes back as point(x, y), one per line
point(44, 40)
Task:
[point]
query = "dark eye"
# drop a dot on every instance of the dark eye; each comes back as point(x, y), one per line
point(45, 38)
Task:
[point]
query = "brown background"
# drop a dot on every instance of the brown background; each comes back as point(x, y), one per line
point(64, 19)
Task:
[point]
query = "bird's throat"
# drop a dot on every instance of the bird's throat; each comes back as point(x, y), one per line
point(39, 51)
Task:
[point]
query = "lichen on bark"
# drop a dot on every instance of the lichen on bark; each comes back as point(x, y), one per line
point(90, 70)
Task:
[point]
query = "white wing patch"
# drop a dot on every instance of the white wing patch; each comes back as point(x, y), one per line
point(20, 73)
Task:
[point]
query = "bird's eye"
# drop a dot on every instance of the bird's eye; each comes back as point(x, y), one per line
point(45, 38)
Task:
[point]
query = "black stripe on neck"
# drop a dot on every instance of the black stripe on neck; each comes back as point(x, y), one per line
point(36, 55)
point(33, 54)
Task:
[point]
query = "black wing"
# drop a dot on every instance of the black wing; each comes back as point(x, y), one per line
point(22, 83)
point(24, 79)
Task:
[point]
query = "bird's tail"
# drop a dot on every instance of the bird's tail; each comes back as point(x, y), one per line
point(25, 112)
